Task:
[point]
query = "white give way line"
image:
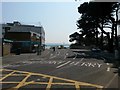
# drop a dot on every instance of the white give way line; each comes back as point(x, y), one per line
point(63, 64)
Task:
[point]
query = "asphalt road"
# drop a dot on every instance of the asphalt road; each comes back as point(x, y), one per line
point(79, 65)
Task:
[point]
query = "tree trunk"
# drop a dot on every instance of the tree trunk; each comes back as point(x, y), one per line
point(112, 39)
point(96, 33)
point(109, 42)
point(101, 42)
point(116, 38)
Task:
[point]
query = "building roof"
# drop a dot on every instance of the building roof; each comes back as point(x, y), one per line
point(18, 27)
point(18, 31)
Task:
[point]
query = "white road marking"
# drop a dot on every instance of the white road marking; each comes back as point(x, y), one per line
point(6, 65)
point(72, 63)
point(51, 54)
point(60, 62)
point(99, 65)
point(66, 53)
point(75, 55)
point(52, 62)
point(90, 64)
point(108, 69)
point(83, 64)
point(103, 58)
point(52, 57)
point(63, 64)
point(81, 60)
point(38, 79)
point(108, 84)
point(76, 63)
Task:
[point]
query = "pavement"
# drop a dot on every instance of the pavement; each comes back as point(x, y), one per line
point(76, 69)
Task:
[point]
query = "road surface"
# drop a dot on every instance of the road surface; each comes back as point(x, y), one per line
point(75, 69)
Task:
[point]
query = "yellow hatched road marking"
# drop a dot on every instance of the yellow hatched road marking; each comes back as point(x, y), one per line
point(63, 83)
point(9, 82)
point(7, 76)
point(77, 86)
point(14, 74)
point(18, 74)
point(49, 83)
point(99, 89)
point(24, 82)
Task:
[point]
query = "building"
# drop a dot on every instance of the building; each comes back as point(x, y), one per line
point(25, 37)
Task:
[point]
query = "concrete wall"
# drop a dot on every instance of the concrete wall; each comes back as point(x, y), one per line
point(6, 49)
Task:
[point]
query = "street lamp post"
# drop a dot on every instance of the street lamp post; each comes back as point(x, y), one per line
point(39, 46)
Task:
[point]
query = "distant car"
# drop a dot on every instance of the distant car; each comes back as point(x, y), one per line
point(95, 50)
